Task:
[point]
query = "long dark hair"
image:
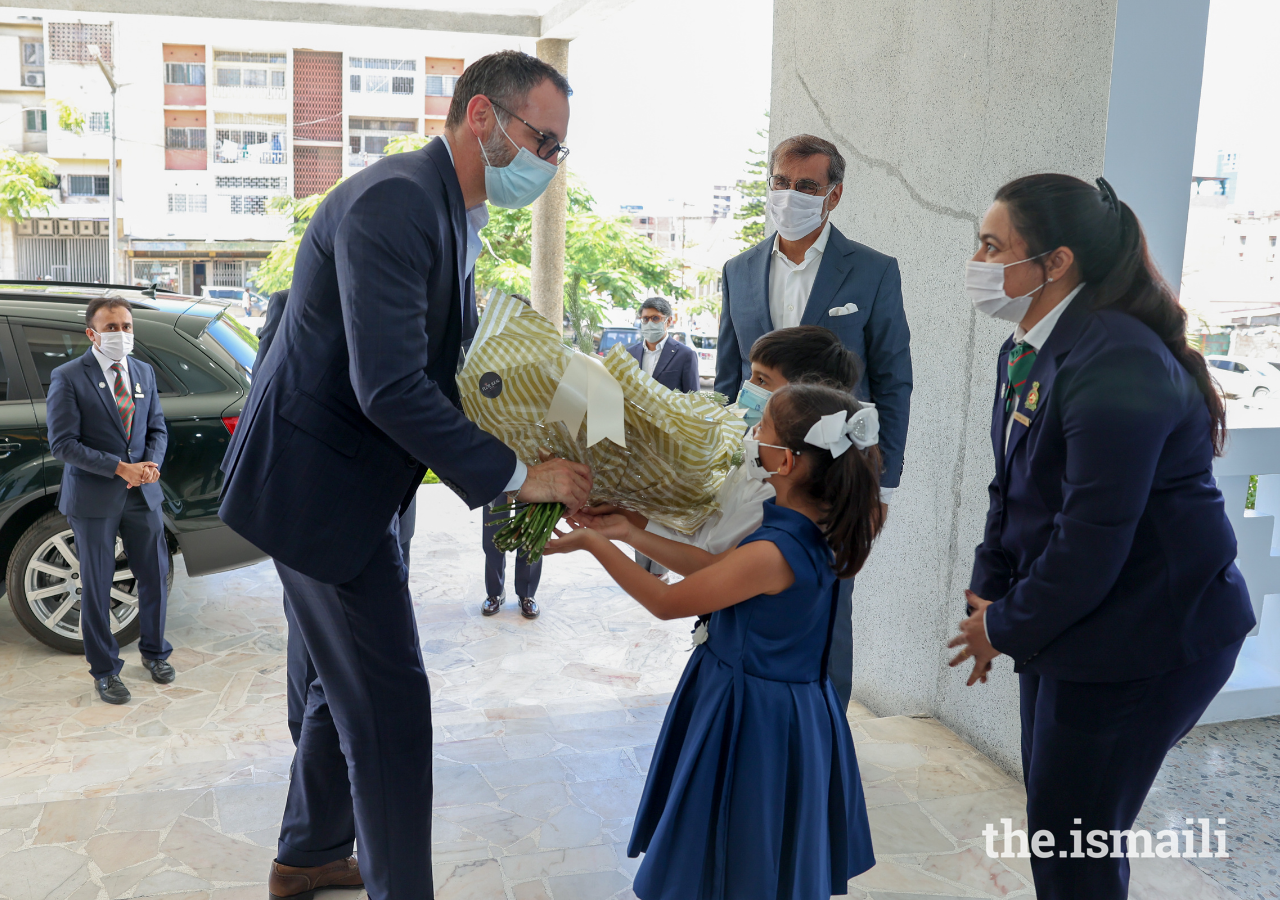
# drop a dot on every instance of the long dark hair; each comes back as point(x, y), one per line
point(1051, 211)
point(846, 487)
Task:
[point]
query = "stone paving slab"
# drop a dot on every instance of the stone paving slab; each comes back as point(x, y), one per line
point(543, 735)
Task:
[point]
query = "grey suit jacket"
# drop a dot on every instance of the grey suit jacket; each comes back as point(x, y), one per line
point(876, 330)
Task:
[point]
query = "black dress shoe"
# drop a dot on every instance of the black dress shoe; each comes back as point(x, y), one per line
point(161, 671)
point(492, 606)
point(528, 608)
point(111, 689)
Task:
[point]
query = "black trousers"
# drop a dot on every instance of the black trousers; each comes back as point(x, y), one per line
point(142, 532)
point(1090, 753)
point(495, 561)
point(840, 662)
point(362, 770)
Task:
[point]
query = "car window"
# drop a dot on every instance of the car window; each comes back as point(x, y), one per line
point(1239, 367)
point(1220, 364)
point(4, 380)
point(704, 342)
point(51, 347)
point(237, 340)
point(192, 371)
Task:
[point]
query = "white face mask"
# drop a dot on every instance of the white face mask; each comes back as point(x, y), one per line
point(796, 214)
point(115, 345)
point(751, 456)
point(984, 283)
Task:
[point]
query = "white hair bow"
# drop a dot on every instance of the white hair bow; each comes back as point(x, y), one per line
point(837, 434)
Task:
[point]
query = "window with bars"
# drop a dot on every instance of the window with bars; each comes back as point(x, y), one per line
point(71, 42)
point(188, 203)
point(100, 122)
point(184, 73)
point(250, 137)
point(227, 273)
point(439, 85)
point(373, 81)
point(275, 58)
point(239, 73)
point(37, 120)
point(248, 205)
point(395, 65)
point(32, 53)
point(88, 185)
point(184, 138)
point(234, 182)
point(367, 138)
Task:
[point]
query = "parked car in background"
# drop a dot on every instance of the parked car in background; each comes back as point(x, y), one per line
point(611, 335)
point(705, 346)
point(203, 360)
point(1241, 376)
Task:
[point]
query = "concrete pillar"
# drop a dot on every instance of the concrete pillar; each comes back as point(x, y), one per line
point(934, 106)
point(549, 215)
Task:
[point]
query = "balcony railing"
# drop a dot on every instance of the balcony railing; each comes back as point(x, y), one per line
point(249, 92)
point(254, 154)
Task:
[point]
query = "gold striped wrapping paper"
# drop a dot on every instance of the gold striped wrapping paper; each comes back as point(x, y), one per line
point(679, 448)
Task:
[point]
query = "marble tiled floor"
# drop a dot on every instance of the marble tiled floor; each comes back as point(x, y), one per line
point(543, 735)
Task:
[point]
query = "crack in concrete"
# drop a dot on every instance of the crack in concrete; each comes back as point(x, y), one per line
point(884, 165)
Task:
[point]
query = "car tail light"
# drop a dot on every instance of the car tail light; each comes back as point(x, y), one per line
point(230, 423)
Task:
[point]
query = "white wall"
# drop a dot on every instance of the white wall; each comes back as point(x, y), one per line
point(935, 105)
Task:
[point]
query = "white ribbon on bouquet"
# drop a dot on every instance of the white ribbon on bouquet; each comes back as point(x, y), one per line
point(588, 390)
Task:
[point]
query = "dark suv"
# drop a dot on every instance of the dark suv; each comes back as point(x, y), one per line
point(203, 359)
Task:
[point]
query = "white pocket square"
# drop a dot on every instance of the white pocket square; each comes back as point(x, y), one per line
point(847, 310)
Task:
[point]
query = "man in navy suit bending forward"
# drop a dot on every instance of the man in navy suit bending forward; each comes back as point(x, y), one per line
point(352, 402)
point(107, 428)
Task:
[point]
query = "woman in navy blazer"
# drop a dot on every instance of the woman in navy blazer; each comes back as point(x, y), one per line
point(1107, 568)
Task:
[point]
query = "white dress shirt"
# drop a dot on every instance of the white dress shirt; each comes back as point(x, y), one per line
point(741, 501)
point(107, 362)
point(791, 284)
point(477, 218)
point(649, 358)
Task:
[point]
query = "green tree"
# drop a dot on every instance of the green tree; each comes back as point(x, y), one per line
point(69, 117)
point(753, 191)
point(25, 179)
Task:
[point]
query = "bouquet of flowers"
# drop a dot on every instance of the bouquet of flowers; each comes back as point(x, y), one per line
point(659, 452)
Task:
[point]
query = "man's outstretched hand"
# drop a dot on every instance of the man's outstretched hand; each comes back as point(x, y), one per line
point(558, 481)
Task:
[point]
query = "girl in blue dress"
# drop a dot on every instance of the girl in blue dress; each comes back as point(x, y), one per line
point(753, 791)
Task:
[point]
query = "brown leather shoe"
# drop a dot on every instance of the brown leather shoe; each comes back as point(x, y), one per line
point(301, 882)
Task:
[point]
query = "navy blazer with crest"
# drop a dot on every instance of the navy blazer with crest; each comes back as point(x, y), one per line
point(355, 397)
point(676, 369)
point(1107, 551)
point(87, 435)
point(865, 288)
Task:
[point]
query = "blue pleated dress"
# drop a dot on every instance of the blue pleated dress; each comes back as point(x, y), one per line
point(753, 791)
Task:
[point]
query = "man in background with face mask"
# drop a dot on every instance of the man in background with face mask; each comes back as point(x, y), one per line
point(808, 273)
point(107, 428)
point(354, 400)
point(666, 361)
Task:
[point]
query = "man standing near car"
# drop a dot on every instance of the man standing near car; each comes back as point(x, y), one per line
point(107, 428)
point(351, 404)
point(811, 274)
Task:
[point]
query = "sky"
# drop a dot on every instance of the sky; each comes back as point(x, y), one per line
point(667, 98)
point(1238, 102)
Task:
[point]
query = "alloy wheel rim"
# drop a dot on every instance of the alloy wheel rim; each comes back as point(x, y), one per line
point(51, 583)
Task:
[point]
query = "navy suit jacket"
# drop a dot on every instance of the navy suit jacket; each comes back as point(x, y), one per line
point(1107, 552)
point(87, 436)
point(677, 368)
point(355, 395)
point(849, 273)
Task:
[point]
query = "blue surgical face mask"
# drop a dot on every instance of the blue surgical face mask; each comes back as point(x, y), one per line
point(753, 398)
point(519, 182)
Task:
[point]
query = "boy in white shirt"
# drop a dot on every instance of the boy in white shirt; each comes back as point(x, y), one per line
point(805, 353)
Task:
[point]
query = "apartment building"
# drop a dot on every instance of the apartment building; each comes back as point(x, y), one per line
point(216, 119)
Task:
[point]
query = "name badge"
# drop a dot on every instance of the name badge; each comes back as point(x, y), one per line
point(1019, 417)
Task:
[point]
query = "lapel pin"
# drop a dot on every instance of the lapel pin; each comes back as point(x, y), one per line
point(102, 384)
point(1033, 397)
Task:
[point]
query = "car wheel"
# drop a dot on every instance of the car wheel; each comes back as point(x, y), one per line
point(1261, 392)
point(43, 580)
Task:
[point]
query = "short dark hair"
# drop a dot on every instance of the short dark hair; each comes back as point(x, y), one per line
point(97, 304)
point(657, 303)
point(802, 146)
point(808, 353)
point(506, 78)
